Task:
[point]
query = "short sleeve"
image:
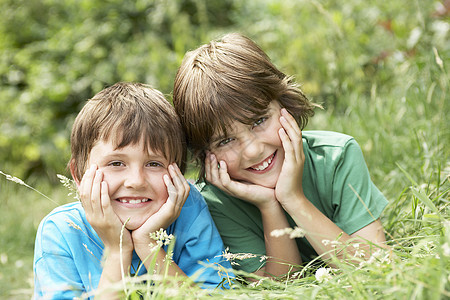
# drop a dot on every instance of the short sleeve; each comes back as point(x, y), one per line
point(199, 248)
point(55, 273)
point(357, 201)
point(239, 224)
point(67, 255)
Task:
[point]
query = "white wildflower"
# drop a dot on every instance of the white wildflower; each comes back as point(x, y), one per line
point(334, 244)
point(414, 37)
point(21, 182)
point(278, 232)
point(257, 283)
point(19, 263)
point(446, 249)
point(3, 258)
point(242, 256)
point(297, 232)
point(292, 232)
point(169, 257)
point(231, 257)
point(263, 258)
point(70, 185)
point(359, 253)
point(225, 254)
point(326, 242)
point(172, 292)
point(14, 179)
point(161, 237)
point(378, 258)
point(323, 275)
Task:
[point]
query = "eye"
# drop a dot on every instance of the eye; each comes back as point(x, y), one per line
point(259, 122)
point(224, 142)
point(155, 164)
point(116, 164)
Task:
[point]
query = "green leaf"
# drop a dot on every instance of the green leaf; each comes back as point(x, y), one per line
point(424, 198)
point(407, 175)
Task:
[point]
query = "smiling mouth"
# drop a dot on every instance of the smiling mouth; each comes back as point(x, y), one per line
point(265, 164)
point(133, 201)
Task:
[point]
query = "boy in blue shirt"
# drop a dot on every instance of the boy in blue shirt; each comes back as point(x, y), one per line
point(126, 146)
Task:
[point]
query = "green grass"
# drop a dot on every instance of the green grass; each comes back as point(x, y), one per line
point(417, 267)
point(21, 211)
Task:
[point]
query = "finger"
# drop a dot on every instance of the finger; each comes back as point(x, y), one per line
point(106, 201)
point(229, 185)
point(224, 177)
point(292, 129)
point(176, 197)
point(85, 189)
point(96, 196)
point(294, 133)
point(208, 166)
point(214, 171)
point(289, 154)
point(174, 175)
point(291, 120)
point(171, 190)
point(180, 181)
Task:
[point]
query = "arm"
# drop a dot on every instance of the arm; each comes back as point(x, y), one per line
point(307, 217)
point(281, 252)
point(317, 226)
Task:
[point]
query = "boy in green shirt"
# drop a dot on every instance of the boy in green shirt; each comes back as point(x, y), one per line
point(244, 119)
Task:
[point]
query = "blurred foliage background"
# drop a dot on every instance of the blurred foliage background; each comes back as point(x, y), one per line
point(56, 54)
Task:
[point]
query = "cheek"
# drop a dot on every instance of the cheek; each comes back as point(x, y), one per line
point(159, 187)
point(273, 136)
point(230, 157)
point(233, 164)
point(161, 193)
point(109, 178)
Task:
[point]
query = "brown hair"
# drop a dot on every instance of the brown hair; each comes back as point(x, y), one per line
point(226, 80)
point(124, 113)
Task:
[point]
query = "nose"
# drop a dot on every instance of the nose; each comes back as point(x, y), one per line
point(135, 178)
point(251, 146)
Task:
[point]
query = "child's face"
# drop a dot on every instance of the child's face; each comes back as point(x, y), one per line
point(135, 180)
point(253, 153)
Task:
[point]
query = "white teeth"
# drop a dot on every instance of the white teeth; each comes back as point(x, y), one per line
point(264, 165)
point(136, 201)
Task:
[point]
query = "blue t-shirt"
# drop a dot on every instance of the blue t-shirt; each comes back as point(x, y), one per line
point(68, 252)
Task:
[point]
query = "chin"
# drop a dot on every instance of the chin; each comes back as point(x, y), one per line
point(133, 224)
point(270, 182)
point(268, 185)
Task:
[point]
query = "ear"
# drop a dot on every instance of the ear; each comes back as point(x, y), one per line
point(73, 172)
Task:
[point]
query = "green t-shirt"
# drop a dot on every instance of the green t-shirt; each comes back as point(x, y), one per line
point(333, 162)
